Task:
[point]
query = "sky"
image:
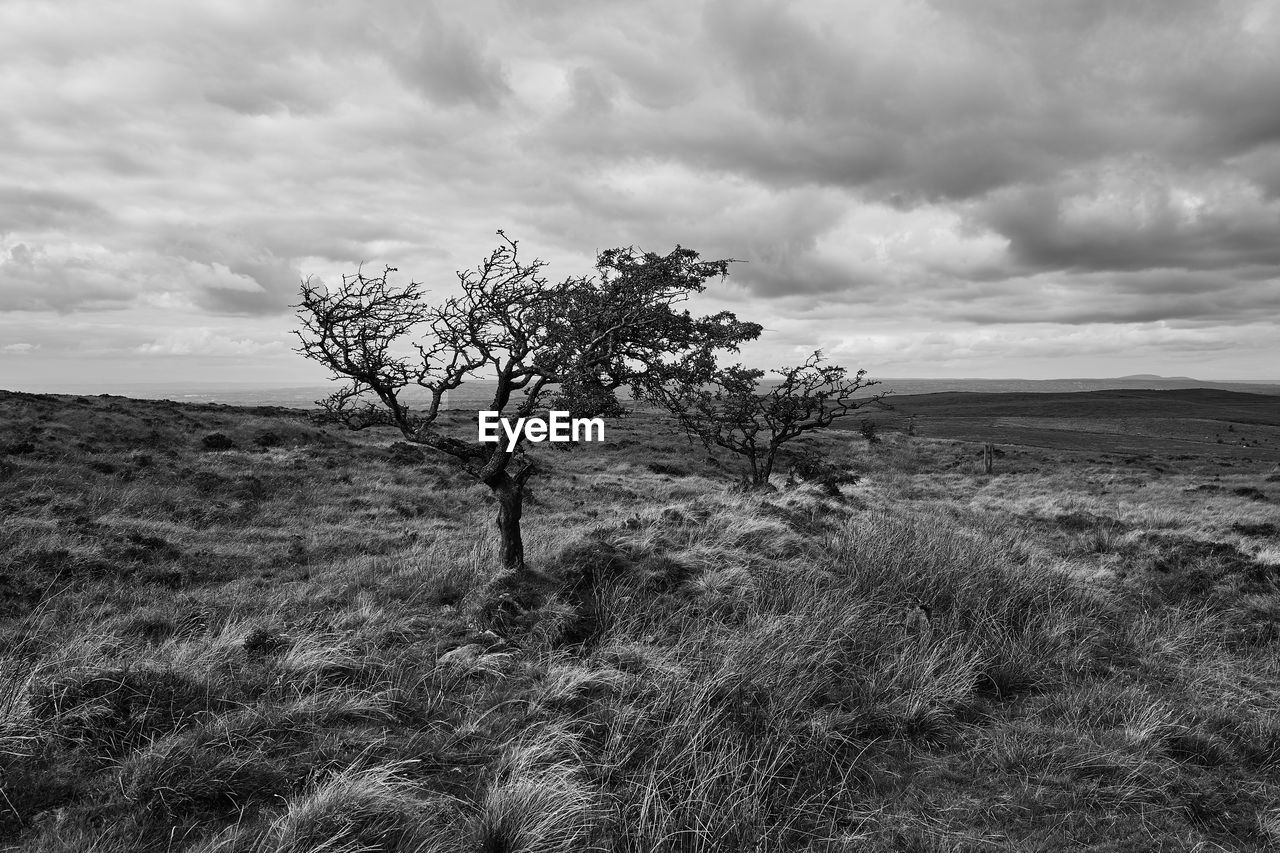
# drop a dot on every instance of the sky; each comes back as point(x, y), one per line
point(958, 188)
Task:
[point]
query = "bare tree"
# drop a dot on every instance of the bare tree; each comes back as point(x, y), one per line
point(732, 412)
point(572, 343)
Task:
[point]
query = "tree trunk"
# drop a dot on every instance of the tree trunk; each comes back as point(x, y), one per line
point(762, 470)
point(766, 470)
point(510, 495)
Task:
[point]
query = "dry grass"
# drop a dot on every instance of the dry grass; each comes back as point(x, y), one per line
point(293, 645)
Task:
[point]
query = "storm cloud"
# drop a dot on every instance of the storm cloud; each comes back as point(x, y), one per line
point(974, 187)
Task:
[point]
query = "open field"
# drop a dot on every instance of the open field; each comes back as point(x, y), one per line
point(287, 640)
point(1212, 425)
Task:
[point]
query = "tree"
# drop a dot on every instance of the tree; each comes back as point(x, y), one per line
point(733, 413)
point(571, 344)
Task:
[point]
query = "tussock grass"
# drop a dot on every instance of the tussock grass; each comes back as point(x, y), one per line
point(300, 644)
point(356, 810)
point(18, 736)
point(538, 799)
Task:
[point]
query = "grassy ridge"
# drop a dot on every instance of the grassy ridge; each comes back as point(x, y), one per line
point(293, 644)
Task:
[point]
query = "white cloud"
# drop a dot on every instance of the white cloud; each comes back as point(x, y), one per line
point(205, 342)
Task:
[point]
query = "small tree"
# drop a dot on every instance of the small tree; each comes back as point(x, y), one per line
point(870, 430)
point(733, 413)
point(572, 344)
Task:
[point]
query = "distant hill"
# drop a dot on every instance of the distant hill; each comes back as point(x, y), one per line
point(1200, 421)
point(1208, 403)
point(476, 395)
point(1050, 386)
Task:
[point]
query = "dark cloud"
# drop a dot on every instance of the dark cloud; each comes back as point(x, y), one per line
point(1134, 222)
point(31, 209)
point(244, 277)
point(444, 61)
point(271, 91)
point(31, 279)
point(1237, 112)
point(1149, 296)
point(591, 91)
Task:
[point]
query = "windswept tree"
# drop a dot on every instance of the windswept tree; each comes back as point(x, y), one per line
point(570, 344)
point(733, 412)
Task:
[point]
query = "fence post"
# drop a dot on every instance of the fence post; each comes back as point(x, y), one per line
point(988, 452)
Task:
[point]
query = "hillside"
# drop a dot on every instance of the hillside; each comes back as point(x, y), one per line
point(231, 629)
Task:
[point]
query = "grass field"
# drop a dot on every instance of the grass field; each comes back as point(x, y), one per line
point(1206, 423)
point(285, 639)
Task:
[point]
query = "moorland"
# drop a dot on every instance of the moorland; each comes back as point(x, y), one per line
point(234, 629)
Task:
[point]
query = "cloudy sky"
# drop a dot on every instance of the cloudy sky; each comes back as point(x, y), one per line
point(985, 188)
